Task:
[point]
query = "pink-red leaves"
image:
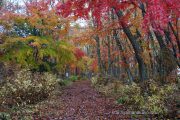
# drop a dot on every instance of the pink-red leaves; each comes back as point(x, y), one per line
point(160, 12)
point(79, 53)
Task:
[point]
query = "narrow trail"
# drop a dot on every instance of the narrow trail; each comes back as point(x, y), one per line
point(83, 102)
point(80, 101)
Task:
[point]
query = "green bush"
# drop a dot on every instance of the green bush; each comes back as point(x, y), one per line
point(73, 78)
point(65, 82)
point(122, 100)
point(68, 81)
point(27, 87)
point(4, 116)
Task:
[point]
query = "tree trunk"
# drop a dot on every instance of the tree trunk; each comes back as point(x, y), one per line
point(98, 51)
point(136, 47)
point(115, 34)
point(176, 35)
point(109, 55)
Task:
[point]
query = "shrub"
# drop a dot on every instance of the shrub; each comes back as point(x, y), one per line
point(132, 93)
point(122, 100)
point(106, 85)
point(101, 80)
point(27, 87)
point(157, 101)
point(94, 80)
point(155, 104)
point(154, 101)
point(73, 78)
point(65, 82)
point(106, 90)
point(149, 96)
point(68, 81)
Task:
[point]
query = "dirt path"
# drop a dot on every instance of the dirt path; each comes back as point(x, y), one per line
point(81, 101)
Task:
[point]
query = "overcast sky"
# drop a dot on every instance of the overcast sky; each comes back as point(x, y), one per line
point(17, 1)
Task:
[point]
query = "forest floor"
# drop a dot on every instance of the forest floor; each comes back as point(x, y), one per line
point(80, 101)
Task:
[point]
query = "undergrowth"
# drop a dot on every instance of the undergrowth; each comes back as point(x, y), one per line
point(153, 99)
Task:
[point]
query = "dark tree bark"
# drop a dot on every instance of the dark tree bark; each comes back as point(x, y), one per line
point(98, 51)
point(176, 35)
point(2, 73)
point(35, 53)
point(127, 69)
point(169, 41)
point(136, 47)
point(109, 55)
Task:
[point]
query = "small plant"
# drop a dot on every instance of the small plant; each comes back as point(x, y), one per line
point(65, 82)
point(122, 100)
point(73, 78)
point(4, 116)
point(94, 80)
point(68, 81)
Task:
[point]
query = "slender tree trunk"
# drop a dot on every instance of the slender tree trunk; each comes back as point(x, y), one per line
point(160, 40)
point(154, 55)
point(136, 47)
point(109, 55)
point(115, 34)
point(35, 53)
point(98, 51)
point(169, 41)
point(176, 35)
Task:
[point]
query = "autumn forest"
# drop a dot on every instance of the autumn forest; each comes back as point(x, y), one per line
point(89, 59)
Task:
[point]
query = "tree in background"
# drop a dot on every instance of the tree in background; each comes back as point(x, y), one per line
point(141, 22)
point(37, 38)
